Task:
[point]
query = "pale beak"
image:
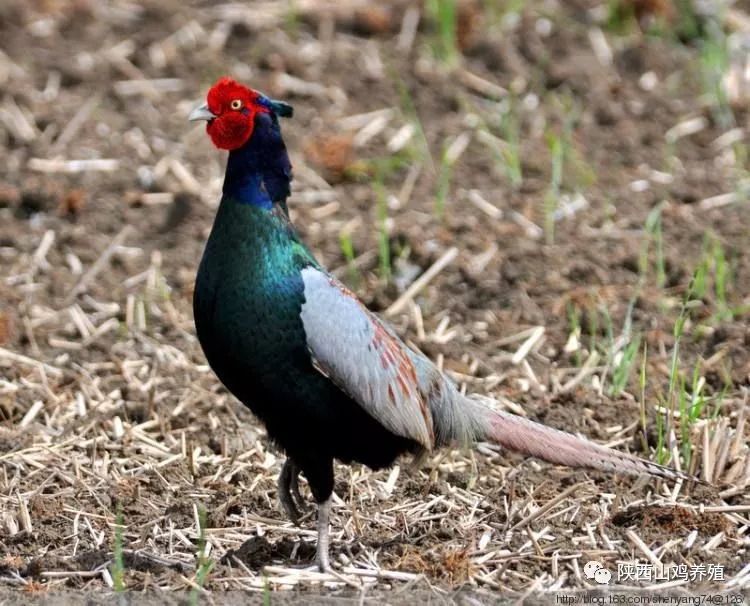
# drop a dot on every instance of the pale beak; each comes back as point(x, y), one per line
point(201, 113)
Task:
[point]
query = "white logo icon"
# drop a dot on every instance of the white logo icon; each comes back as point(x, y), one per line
point(602, 576)
point(595, 571)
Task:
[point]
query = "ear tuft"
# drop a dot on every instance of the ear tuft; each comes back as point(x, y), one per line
point(281, 109)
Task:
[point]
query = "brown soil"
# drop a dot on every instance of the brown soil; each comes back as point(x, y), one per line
point(672, 520)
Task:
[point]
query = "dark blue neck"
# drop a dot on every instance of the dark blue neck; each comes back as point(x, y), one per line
point(259, 173)
point(243, 181)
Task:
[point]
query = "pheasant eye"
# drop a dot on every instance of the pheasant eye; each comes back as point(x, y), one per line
point(236, 104)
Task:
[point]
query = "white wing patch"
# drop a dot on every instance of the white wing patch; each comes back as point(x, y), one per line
point(352, 347)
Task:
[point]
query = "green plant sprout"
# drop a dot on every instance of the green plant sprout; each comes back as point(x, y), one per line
point(505, 148)
point(384, 245)
point(654, 237)
point(204, 564)
point(559, 147)
point(409, 110)
point(347, 249)
point(444, 13)
point(622, 364)
point(552, 196)
point(118, 566)
point(642, 382)
point(714, 61)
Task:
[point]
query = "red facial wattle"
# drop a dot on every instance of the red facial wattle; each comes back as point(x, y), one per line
point(231, 130)
point(234, 107)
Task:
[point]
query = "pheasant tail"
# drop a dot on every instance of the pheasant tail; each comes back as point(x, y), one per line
point(524, 436)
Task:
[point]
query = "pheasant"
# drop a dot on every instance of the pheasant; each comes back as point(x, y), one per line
point(328, 378)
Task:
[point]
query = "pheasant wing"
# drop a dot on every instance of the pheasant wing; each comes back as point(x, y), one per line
point(353, 348)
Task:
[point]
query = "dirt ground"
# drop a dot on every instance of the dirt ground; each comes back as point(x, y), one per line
point(631, 180)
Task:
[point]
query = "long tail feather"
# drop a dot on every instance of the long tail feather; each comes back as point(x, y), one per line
point(554, 446)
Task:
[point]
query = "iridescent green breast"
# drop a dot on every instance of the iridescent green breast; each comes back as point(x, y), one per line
point(249, 293)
